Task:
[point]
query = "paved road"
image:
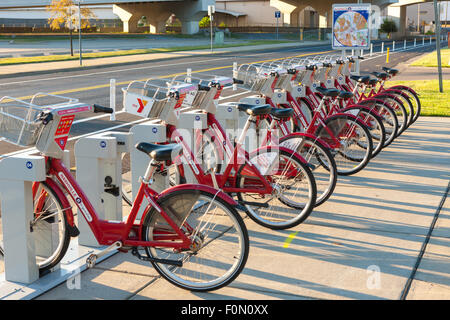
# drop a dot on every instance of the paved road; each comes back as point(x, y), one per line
point(36, 48)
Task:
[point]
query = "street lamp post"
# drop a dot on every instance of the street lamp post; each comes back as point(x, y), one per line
point(438, 43)
point(79, 32)
point(211, 10)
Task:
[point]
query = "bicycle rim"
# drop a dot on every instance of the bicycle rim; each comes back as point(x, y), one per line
point(320, 161)
point(294, 194)
point(49, 230)
point(214, 226)
point(355, 143)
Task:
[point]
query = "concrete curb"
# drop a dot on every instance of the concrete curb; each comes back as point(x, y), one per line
point(184, 54)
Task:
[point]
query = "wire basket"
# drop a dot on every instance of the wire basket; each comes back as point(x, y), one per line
point(256, 78)
point(20, 120)
point(156, 99)
point(204, 99)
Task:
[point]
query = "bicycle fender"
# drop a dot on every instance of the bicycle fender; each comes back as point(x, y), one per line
point(67, 208)
point(308, 135)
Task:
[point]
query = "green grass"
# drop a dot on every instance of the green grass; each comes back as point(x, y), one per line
point(96, 55)
point(430, 60)
point(432, 101)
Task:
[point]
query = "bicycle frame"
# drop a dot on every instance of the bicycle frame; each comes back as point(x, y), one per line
point(317, 117)
point(225, 181)
point(108, 232)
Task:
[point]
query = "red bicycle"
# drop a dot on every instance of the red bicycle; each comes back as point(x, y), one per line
point(273, 185)
point(192, 234)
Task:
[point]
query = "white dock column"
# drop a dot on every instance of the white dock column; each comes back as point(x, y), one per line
point(99, 174)
point(17, 175)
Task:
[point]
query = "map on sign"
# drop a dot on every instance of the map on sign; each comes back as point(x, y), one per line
point(351, 27)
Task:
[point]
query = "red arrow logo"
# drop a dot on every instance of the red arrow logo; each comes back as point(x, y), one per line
point(142, 104)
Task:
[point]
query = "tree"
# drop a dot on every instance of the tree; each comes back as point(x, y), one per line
point(388, 26)
point(204, 22)
point(65, 13)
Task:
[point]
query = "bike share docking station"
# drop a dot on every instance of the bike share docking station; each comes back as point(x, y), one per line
point(19, 190)
point(163, 103)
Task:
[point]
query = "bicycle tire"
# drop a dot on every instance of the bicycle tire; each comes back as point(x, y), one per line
point(374, 124)
point(338, 122)
point(388, 117)
point(55, 258)
point(399, 109)
point(413, 96)
point(402, 96)
point(152, 221)
point(306, 147)
point(271, 219)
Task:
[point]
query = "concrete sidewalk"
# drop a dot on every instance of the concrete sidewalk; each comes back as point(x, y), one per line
point(73, 65)
point(363, 243)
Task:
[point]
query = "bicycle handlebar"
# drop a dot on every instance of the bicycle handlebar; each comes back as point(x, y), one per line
point(101, 109)
point(203, 88)
point(291, 71)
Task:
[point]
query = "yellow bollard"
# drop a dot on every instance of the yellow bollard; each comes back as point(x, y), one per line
point(387, 55)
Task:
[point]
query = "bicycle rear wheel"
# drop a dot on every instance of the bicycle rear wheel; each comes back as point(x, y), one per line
point(405, 99)
point(388, 117)
point(399, 109)
point(354, 148)
point(373, 123)
point(219, 235)
point(320, 161)
point(414, 100)
point(294, 189)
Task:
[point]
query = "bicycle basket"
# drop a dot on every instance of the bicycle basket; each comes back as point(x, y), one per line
point(205, 99)
point(19, 121)
point(156, 99)
point(256, 79)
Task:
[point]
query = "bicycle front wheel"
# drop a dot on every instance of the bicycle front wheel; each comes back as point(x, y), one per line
point(220, 240)
point(49, 228)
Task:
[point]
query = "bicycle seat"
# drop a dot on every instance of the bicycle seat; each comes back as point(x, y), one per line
point(255, 110)
point(311, 67)
point(345, 95)
point(328, 92)
point(373, 81)
point(160, 152)
point(380, 75)
point(360, 79)
point(391, 71)
point(282, 113)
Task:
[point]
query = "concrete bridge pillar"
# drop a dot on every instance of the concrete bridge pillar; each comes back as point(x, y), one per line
point(398, 15)
point(156, 15)
point(190, 26)
point(190, 12)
